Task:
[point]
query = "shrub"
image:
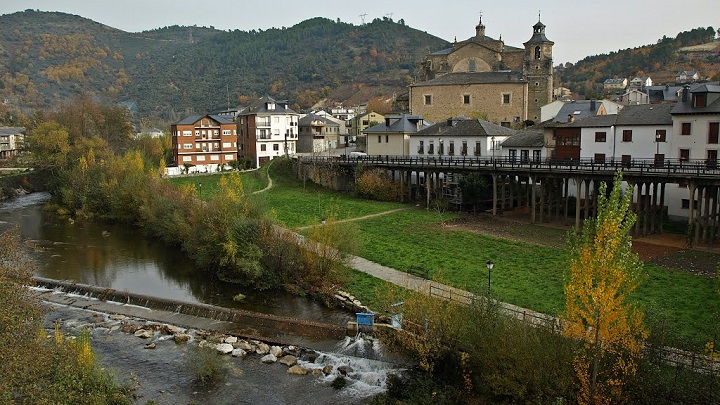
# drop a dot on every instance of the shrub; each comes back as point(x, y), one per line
point(377, 184)
point(206, 365)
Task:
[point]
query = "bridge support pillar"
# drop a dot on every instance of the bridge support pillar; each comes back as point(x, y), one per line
point(494, 207)
point(532, 199)
point(691, 213)
point(578, 188)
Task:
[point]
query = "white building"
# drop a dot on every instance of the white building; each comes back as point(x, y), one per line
point(266, 129)
point(11, 139)
point(460, 137)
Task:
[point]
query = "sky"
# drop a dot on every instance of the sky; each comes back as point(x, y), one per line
point(578, 28)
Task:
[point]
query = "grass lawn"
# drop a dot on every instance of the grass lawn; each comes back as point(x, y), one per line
point(296, 204)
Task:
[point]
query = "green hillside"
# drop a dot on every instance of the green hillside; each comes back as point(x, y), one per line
point(47, 57)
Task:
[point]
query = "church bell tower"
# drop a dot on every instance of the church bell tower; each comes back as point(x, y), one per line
point(538, 70)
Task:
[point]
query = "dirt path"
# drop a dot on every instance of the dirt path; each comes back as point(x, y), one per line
point(359, 218)
point(270, 182)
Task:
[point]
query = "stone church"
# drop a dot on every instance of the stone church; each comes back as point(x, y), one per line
point(482, 77)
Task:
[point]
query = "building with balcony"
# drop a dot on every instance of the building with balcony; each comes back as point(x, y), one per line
point(317, 134)
point(204, 141)
point(460, 137)
point(11, 139)
point(267, 129)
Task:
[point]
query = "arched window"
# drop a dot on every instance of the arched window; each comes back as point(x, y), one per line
point(537, 52)
point(472, 66)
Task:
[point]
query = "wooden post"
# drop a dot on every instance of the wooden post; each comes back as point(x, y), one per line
point(543, 185)
point(646, 208)
point(532, 199)
point(567, 199)
point(691, 212)
point(502, 193)
point(653, 229)
point(662, 206)
point(587, 199)
point(578, 187)
point(638, 208)
point(494, 207)
point(427, 190)
point(706, 215)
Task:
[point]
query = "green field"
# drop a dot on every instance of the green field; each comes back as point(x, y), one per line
point(527, 275)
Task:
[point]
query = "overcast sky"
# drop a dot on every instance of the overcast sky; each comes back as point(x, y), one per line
point(579, 28)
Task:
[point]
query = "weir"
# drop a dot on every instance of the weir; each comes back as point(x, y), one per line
point(249, 320)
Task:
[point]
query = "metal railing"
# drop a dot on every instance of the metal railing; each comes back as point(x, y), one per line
point(671, 167)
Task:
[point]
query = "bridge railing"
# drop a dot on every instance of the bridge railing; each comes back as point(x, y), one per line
point(668, 166)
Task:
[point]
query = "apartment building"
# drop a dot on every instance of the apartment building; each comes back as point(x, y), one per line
point(267, 129)
point(204, 141)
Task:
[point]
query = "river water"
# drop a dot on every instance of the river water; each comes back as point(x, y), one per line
point(123, 259)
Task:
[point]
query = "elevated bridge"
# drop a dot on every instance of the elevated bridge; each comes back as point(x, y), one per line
point(545, 188)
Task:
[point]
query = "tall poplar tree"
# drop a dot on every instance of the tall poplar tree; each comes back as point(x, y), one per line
point(603, 273)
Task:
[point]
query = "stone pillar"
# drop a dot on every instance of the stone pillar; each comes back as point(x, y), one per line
point(532, 199)
point(662, 206)
point(578, 188)
point(691, 212)
point(494, 207)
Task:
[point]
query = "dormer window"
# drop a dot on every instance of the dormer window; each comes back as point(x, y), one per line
point(271, 106)
point(700, 100)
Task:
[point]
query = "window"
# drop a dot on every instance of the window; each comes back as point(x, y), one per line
point(686, 128)
point(700, 100)
point(431, 148)
point(537, 52)
point(214, 157)
point(659, 159)
point(686, 204)
point(227, 131)
point(627, 135)
point(263, 147)
point(600, 136)
point(684, 155)
point(472, 65)
point(660, 135)
point(524, 155)
point(626, 160)
point(387, 138)
point(428, 99)
point(599, 158)
point(421, 148)
point(187, 159)
point(201, 158)
point(506, 98)
point(187, 133)
point(276, 146)
point(441, 148)
point(478, 148)
point(187, 146)
point(379, 138)
point(713, 132)
point(512, 153)
point(451, 148)
point(536, 156)
point(464, 148)
point(466, 99)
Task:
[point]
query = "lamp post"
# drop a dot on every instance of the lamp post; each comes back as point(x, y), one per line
point(492, 146)
point(200, 189)
point(489, 265)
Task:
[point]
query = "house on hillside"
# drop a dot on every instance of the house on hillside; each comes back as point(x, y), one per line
point(267, 129)
point(11, 140)
point(204, 142)
point(687, 76)
point(392, 136)
point(615, 84)
point(150, 133)
point(482, 76)
point(639, 83)
point(460, 137)
point(317, 134)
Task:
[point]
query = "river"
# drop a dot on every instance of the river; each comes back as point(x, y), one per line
point(123, 259)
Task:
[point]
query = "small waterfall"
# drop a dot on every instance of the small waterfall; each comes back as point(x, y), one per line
point(359, 360)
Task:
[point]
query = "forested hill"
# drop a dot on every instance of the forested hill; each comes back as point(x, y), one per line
point(47, 57)
point(660, 61)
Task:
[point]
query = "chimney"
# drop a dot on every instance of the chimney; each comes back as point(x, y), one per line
point(571, 118)
point(387, 122)
point(449, 122)
point(593, 104)
point(685, 91)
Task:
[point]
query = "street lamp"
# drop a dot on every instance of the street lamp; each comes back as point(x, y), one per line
point(492, 145)
point(489, 265)
point(200, 189)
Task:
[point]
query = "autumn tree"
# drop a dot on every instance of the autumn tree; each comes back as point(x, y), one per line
point(49, 145)
point(598, 312)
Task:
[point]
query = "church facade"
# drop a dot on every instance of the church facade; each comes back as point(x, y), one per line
point(483, 78)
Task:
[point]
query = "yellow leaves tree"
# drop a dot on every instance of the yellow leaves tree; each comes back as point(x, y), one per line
point(603, 273)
